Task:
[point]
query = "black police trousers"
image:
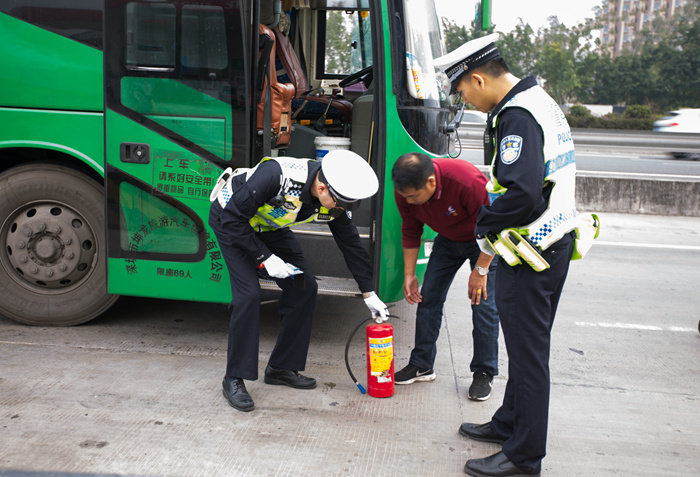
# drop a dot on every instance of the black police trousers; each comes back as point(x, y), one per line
point(296, 305)
point(527, 302)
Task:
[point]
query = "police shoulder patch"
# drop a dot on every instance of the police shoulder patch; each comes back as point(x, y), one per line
point(510, 149)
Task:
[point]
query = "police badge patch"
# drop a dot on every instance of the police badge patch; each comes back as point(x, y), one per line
point(510, 149)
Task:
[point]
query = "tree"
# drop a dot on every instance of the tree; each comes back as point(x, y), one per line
point(659, 69)
point(455, 35)
point(676, 63)
point(586, 70)
point(519, 50)
point(556, 62)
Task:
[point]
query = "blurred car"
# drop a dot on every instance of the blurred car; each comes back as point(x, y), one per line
point(473, 117)
point(471, 130)
point(680, 121)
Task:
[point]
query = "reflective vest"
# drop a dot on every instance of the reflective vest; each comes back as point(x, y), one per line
point(561, 215)
point(283, 210)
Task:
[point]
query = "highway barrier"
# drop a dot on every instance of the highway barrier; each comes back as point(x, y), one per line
point(654, 194)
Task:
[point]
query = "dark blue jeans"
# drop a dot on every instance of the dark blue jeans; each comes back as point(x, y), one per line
point(445, 260)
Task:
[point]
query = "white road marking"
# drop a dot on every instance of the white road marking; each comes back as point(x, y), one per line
point(634, 326)
point(648, 245)
point(643, 175)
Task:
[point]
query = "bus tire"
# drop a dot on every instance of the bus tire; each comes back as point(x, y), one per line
point(53, 252)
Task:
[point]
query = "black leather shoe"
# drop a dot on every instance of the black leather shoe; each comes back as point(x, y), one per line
point(237, 395)
point(480, 432)
point(497, 465)
point(289, 378)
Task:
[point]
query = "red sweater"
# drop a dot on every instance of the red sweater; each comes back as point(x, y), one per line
point(453, 208)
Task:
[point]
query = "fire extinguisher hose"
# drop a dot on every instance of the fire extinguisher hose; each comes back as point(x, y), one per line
point(347, 347)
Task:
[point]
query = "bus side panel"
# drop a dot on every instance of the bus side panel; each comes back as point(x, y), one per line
point(391, 277)
point(156, 203)
point(56, 73)
point(207, 282)
point(78, 134)
point(392, 266)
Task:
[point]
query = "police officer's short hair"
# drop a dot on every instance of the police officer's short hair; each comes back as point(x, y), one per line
point(493, 68)
point(412, 170)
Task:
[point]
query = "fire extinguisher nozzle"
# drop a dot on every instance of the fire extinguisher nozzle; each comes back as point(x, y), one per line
point(359, 386)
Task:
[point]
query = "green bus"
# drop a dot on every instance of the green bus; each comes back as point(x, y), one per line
point(117, 117)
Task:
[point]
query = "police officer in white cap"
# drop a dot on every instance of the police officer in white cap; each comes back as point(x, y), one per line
point(532, 189)
point(251, 213)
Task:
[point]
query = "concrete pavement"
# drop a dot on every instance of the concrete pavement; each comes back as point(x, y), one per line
point(138, 390)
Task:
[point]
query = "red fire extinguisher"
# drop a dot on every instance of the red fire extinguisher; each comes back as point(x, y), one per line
point(380, 360)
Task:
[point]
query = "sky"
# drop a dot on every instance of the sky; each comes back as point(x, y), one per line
point(505, 14)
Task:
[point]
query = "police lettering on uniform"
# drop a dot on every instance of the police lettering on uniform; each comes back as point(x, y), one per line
point(533, 224)
point(251, 212)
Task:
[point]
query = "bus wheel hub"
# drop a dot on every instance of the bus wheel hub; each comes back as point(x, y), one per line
point(46, 248)
point(50, 245)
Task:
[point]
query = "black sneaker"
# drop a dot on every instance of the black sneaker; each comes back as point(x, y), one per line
point(289, 378)
point(237, 395)
point(411, 374)
point(480, 390)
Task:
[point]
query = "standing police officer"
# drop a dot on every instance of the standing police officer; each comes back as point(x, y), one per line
point(532, 190)
point(250, 215)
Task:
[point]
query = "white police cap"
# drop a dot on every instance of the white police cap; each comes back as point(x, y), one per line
point(349, 177)
point(467, 57)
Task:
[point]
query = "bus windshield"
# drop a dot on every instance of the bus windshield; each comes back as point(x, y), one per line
point(423, 44)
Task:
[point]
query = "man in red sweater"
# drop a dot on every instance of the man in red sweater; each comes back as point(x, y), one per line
point(446, 194)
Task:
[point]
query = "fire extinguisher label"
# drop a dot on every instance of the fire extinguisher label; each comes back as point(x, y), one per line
point(381, 352)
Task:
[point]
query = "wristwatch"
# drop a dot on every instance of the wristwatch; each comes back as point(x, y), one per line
point(481, 270)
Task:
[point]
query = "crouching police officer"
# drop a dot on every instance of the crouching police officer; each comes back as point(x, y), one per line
point(251, 213)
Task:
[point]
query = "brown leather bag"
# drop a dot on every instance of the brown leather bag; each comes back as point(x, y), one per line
point(280, 98)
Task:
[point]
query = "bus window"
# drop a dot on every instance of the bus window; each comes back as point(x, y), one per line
point(150, 36)
point(192, 91)
point(345, 43)
point(423, 43)
point(423, 99)
point(361, 53)
point(79, 21)
point(203, 38)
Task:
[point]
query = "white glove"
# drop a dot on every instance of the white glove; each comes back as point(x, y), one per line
point(277, 268)
point(377, 307)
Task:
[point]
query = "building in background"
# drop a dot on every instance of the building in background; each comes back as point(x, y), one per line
point(625, 18)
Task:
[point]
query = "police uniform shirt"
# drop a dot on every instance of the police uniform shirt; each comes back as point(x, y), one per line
point(522, 173)
point(260, 189)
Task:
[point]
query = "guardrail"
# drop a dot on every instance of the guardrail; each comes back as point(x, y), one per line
point(655, 194)
point(609, 140)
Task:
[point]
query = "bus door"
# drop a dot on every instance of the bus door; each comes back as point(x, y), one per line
point(177, 111)
point(333, 41)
